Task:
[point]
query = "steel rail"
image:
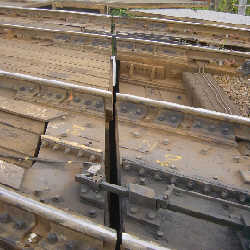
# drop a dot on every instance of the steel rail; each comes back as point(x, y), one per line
point(139, 41)
point(76, 223)
point(131, 22)
point(126, 97)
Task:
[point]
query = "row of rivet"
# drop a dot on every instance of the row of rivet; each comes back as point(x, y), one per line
point(198, 185)
point(92, 157)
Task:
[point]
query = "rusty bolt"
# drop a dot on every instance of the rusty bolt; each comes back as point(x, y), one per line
point(151, 215)
point(133, 210)
point(5, 218)
point(142, 172)
point(92, 213)
point(52, 238)
point(20, 225)
point(236, 159)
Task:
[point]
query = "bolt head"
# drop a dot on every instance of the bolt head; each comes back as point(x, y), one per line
point(52, 238)
point(70, 245)
point(5, 218)
point(142, 172)
point(161, 118)
point(133, 210)
point(124, 109)
point(159, 234)
point(139, 111)
point(165, 142)
point(151, 215)
point(142, 180)
point(173, 119)
point(20, 225)
point(92, 213)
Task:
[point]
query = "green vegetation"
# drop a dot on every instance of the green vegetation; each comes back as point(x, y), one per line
point(120, 12)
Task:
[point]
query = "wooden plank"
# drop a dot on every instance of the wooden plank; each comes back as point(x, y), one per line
point(29, 110)
point(11, 175)
point(27, 124)
point(18, 140)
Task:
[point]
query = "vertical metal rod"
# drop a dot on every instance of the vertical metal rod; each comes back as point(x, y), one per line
point(242, 7)
point(113, 206)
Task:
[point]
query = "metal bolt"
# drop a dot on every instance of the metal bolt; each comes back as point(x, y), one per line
point(142, 172)
point(206, 189)
point(57, 198)
point(58, 96)
point(173, 119)
point(236, 159)
point(159, 234)
point(136, 134)
point(45, 144)
point(88, 102)
point(20, 225)
point(165, 141)
point(76, 99)
point(142, 180)
point(80, 153)
point(198, 124)
point(67, 150)
point(151, 215)
point(126, 167)
point(161, 118)
point(124, 109)
point(99, 104)
point(92, 213)
point(211, 128)
point(139, 111)
point(190, 184)
point(84, 189)
point(70, 245)
point(5, 218)
point(225, 131)
point(224, 194)
point(55, 147)
point(98, 196)
point(133, 210)
point(52, 238)
point(157, 177)
point(92, 158)
point(22, 88)
point(173, 180)
point(242, 198)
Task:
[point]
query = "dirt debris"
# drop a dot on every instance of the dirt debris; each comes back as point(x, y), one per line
point(238, 90)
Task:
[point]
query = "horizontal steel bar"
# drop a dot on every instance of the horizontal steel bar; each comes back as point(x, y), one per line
point(79, 224)
point(131, 98)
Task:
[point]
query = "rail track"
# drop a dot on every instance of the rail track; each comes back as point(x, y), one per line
point(222, 36)
point(152, 135)
point(179, 165)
